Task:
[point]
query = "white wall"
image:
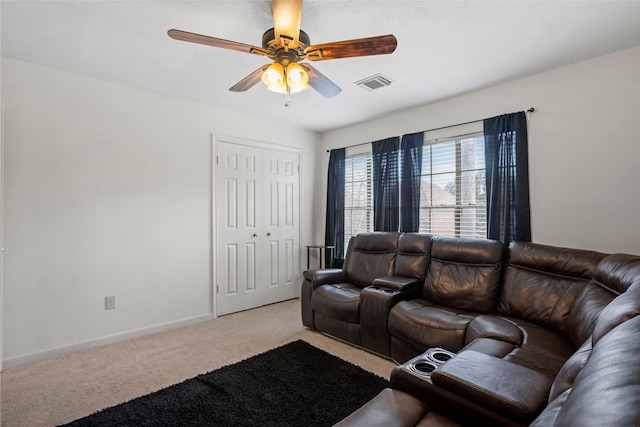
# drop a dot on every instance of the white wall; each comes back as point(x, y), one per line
point(108, 189)
point(584, 147)
point(108, 192)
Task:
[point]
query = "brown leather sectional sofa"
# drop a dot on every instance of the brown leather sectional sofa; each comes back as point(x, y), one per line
point(541, 334)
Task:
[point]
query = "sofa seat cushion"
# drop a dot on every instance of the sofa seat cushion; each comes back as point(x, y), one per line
point(541, 350)
point(339, 302)
point(426, 324)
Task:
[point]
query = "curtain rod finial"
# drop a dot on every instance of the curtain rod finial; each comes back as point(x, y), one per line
point(531, 110)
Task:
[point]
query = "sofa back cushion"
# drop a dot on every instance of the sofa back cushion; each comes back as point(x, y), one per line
point(464, 274)
point(621, 309)
point(541, 283)
point(369, 256)
point(414, 250)
point(585, 311)
point(614, 275)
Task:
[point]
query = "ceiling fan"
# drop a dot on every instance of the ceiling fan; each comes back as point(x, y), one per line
point(287, 45)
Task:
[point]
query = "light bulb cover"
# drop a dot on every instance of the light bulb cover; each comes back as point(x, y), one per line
point(297, 78)
point(273, 77)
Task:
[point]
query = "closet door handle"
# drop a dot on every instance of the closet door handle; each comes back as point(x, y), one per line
point(268, 234)
point(255, 235)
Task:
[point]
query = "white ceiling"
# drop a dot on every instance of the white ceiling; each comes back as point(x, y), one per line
point(445, 48)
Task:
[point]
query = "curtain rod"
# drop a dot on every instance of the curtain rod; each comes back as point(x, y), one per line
point(530, 110)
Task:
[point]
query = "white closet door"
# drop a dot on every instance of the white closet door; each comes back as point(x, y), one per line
point(257, 224)
point(281, 224)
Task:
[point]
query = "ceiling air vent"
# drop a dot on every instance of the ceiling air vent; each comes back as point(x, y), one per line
point(374, 82)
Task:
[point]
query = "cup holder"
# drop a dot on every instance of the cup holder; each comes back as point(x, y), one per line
point(441, 356)
point(423, 367)
point(429, 361)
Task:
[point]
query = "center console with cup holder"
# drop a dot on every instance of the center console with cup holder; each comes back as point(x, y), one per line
point(448, 380)
point(427, 362)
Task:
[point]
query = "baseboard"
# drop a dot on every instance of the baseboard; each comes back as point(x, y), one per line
point(13, 362)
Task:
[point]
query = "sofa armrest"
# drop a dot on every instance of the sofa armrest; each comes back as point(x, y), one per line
point(312, 279)
point(397, 283)
point(507, 388)
point(325, 276)
point(497, 328)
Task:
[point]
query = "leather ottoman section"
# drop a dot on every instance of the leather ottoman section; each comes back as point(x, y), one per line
point(421, 323)
point(390, 408)
point(340, 301)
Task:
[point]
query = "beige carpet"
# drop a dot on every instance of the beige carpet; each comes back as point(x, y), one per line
point(63, 389)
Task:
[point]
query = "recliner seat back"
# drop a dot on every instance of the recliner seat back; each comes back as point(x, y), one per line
point(414, 251)
point(369, 256)
point(614, 275)
point(541, 283)
point(464, 274)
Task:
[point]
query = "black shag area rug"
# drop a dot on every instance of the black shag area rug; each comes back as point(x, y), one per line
point(293, 385)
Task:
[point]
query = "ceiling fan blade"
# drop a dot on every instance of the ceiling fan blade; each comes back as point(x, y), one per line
point(215, 42)
point(286, 21)
point(379, 45)
point(320, 82)
point(249, 81)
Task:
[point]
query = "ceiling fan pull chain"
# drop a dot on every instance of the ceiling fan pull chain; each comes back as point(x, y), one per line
point(287, 99)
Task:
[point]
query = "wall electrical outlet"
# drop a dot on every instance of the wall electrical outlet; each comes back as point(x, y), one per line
point(110, 303)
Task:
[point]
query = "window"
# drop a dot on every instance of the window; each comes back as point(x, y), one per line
point(358, 196)
point(452, 192)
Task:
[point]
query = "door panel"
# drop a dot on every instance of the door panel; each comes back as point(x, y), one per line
point(257, 225)
point(237, 172)
point(281, 183)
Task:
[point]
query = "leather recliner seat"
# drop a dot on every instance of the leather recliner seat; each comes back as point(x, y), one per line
point(463, 280)
point(336, 301)
point(353, 303)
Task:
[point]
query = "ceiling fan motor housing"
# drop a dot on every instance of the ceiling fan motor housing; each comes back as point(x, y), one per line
point(270, 43)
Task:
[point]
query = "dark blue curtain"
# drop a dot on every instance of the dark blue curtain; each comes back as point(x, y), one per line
point(507, 170)
point(411, 155)
point(386, 184)
point(334, 225)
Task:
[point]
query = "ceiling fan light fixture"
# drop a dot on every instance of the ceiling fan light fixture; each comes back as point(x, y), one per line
point(285, 45)
point(273, 77)
point(297, 78)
